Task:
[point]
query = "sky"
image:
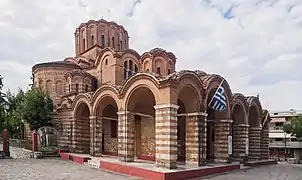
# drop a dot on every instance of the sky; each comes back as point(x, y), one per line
point(256, 45)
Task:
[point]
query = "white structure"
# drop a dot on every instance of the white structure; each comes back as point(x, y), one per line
point(278, 137)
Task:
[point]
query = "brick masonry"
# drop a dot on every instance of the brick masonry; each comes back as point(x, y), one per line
point(264, 145)
point(254, 142)
point(126, 136)
point(222, 130)
point(240, 139)
point(166, 136)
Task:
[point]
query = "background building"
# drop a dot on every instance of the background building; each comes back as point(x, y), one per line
point(278, 137)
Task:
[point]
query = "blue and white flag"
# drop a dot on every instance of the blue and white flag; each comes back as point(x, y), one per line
point(218, 101)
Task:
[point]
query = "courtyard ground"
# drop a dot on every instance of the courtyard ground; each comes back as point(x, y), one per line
point(52, 169)
point(55, 169)
point(281, 171)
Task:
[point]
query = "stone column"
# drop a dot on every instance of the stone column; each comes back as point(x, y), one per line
point(222, 131)
point(254, 142)
point(264, 145)
point(166, 135)
point(240, 141)
point(92, 134)
point(126, 136)
point(98, 136)
point(195, 129)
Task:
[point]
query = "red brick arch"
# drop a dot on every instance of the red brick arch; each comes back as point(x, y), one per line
point(255, 111)
point(106, 91)
point(239, 99)
point(78, 100)
point(142, 80)
point(212, 82)
point(189, 81)
point(104, 53)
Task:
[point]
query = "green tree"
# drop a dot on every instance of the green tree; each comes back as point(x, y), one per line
point(37, 108)
point(294, 127)
point(14, 114)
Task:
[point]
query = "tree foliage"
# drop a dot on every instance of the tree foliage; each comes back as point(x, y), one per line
point(37, 108)
point(295, 127)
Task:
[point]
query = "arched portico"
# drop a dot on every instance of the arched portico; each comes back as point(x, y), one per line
point(106, 125)
point(81, 128)
point(254, 119)
point(239, 127)
point(141, 119)
point(218, 122)
point(190, 123)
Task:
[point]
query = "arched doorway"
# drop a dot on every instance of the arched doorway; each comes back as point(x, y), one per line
point(188, 124)
point(107, 120)
point(82, 129)
point(239, 132)
point(141, 108)
point(254, 133)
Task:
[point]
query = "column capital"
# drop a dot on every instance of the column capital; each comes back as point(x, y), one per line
point(160, 106)
point(194, 114)
point(224, 121)
point(92, 117)
point(123, 112)
point(241, 125)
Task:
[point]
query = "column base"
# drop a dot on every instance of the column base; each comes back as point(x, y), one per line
point(126, 158)
point(223, 160)
point(166, 164)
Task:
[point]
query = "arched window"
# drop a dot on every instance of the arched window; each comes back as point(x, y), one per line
point(113, 42)
point(84, 44)
point(125, 69)
point(121, 45)
point(86, 88)
point(69, 88)
point(92, 40)
point(106, 61)
point(135, 68)
point(77, 88)
point(158, 70)
point(103, 41)
point(169, 71)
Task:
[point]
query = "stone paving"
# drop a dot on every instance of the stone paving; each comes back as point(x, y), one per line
point(54, 169)
point(282, 171)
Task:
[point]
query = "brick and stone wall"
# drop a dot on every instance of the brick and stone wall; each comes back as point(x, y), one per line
point(147, 136)
point(19, 153)
point(254, 142)
point(222, 131)
point(126, 136)
point(192, 142)
point(166, 136)
point(240, 139)
point(264, 145)
point(110, 143)
point(81, 135)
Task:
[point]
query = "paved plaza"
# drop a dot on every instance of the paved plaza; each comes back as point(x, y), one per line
point(54, 169)
point(281, 171)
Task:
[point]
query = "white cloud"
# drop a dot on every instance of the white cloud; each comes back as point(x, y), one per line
point(257, 51)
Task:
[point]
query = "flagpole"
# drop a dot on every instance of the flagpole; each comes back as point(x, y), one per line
point(215, 92)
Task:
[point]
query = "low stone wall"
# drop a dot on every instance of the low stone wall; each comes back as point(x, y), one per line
point(18, 153)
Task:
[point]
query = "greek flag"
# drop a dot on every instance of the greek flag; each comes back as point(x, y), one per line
point(218, 101)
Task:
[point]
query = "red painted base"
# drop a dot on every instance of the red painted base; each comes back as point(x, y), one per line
point(154, 175)
point(260, 163)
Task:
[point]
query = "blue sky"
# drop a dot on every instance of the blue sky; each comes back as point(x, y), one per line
point(256, 44)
